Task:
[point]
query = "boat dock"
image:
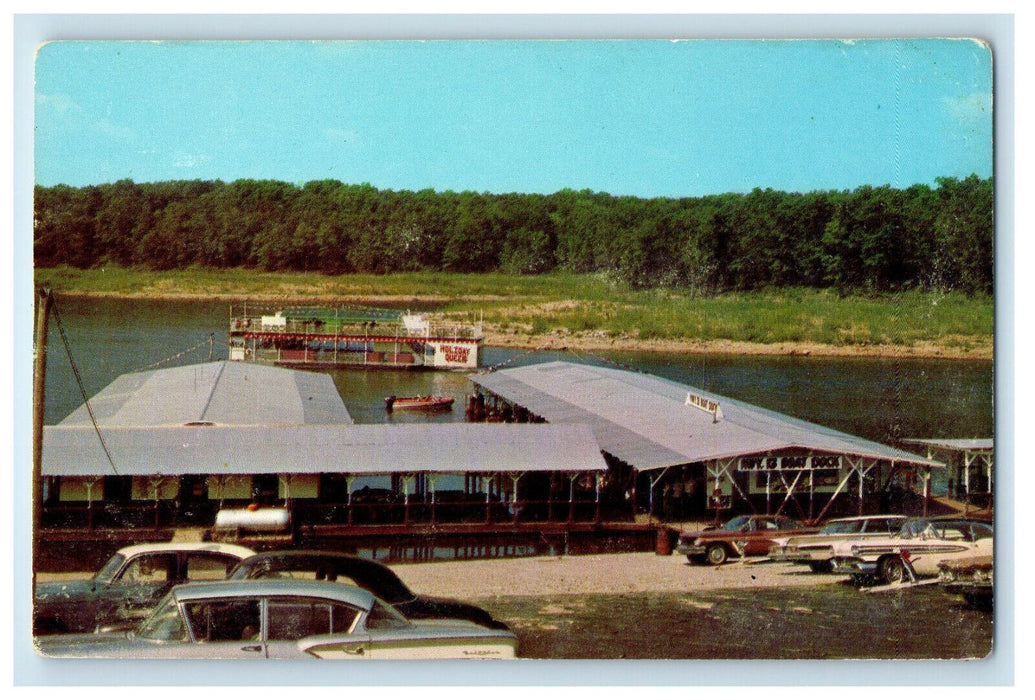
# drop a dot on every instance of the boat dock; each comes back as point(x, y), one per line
point(572, 456)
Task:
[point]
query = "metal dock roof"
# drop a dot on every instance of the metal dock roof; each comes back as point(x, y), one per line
point(955, 444)
point(313, 449)
point(652, 423)
point(223, 393)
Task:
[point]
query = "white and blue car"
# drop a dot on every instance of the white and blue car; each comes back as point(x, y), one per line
point(283, 619)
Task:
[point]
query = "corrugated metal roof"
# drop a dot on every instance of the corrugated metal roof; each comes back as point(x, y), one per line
point(224, 393)
point(957, 444)
point(357, 449)
point(647, 422)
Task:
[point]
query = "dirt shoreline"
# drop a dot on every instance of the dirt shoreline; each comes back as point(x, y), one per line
point(594, 341)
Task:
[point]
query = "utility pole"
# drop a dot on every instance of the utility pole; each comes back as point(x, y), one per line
point(44, 299)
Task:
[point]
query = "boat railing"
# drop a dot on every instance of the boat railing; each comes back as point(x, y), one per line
point(374, 358)
point(247, 324)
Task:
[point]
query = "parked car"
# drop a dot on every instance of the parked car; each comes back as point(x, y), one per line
point(365, 573)
point(915, 550)
point(283, 619)
point(817, 550)
point(742, 536)
point(126, 588)
point(970, 577)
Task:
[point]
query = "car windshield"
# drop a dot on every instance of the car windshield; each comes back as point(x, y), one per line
point(842, 527)
point(384, 616)
point(963, 530)
point(738, 524)
point(982, 531)
point(915, 528)
point(164, 624)
point(110, 568)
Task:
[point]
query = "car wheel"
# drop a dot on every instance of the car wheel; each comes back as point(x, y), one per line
point(893, 570)
point(717, 554)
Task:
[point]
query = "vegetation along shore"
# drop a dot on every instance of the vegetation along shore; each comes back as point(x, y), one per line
point(872, 271)
point(594, 312)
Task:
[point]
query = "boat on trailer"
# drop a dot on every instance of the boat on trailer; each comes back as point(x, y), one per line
point(418, 403)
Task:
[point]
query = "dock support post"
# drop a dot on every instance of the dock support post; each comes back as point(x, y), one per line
point(89, 504)
point(487, 482)
point(812, 486)
point(516, 479)
point(768, 491)
point(571, 497)
point(596, 508)
point(927, 490)
point(431, 487)
point(348, 500)
point(39, 380)
point(408, 482)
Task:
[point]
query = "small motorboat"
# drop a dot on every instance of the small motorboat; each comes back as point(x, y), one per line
point(418, 403)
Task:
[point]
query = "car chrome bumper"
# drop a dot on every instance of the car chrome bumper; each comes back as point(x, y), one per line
point(795, 558)
point(972, 587)
point(691, 550)
point(851, 565)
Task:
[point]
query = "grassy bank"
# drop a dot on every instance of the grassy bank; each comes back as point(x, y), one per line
point(589, 311)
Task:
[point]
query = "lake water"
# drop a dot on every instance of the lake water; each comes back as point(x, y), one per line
point(878, 399)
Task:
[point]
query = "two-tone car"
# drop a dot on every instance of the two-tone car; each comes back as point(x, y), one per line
point(742, 536)
point(283, 619)
point(132, 581)
point(817, 550)
point(318, 565)
point(915, 551)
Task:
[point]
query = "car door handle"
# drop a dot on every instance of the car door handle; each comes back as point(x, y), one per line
point(353, 649)
point(252, 647)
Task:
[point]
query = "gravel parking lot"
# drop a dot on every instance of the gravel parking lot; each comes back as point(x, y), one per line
point(645, 606)
point(639, 572)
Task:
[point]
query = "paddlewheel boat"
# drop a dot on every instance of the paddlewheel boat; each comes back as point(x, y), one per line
point(353, 337)
point(419, 403)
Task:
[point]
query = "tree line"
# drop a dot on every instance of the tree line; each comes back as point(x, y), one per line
point(870, 239)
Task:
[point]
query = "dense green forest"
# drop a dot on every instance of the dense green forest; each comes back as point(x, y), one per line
point(871, 239)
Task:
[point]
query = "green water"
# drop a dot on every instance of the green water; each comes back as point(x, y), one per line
point(879, 399)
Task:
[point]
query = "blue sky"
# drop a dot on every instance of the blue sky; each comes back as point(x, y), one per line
point(643, 118)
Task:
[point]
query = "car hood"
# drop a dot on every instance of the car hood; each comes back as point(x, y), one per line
point(968, 564)
point(57, 590)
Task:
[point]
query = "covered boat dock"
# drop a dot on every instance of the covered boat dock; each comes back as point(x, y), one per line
point(971, 468)
point(174, 447)
point(676, 452)
point(328, 474)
